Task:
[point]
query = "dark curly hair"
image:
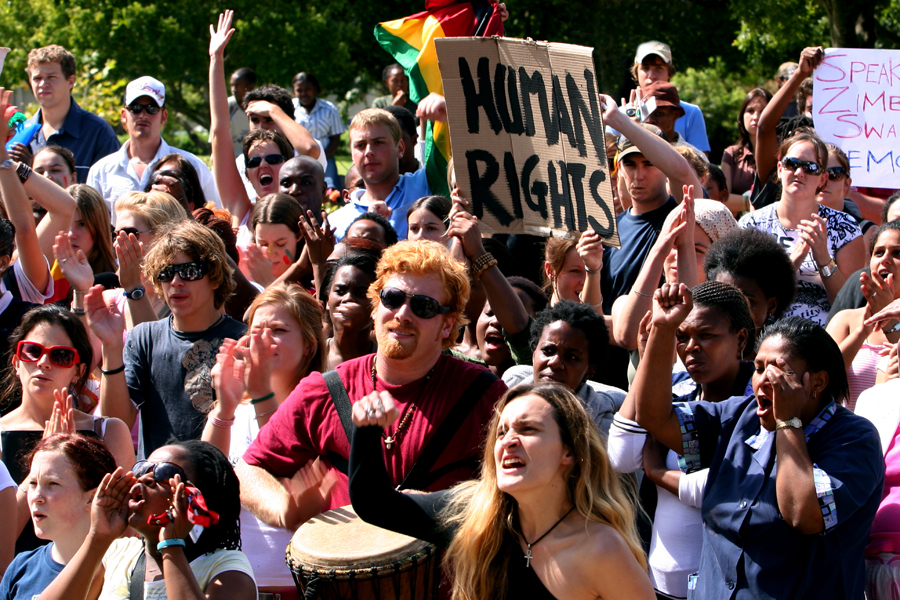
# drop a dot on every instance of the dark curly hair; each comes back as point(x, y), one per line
point(757, 256)
point(215, 478)
point(538, 298)
point(808, 341)
point(579, 316)
point(733, 305)
point(887, 206)
point(364, 261)
point(390, 234)
point(277, 95)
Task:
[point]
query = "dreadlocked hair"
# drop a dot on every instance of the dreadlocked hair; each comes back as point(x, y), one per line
point(733, 305)
point(216, 480)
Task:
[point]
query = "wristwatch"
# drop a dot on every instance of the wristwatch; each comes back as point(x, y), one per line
point(135, 294)
point(828, 270)
point(794, 423)
point(6, 164)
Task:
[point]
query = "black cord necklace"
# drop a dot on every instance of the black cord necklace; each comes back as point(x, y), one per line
point(528, 555)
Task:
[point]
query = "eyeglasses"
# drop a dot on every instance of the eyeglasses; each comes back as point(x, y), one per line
point(271, 159)
point(162, 471)
point(191, 271)
point(130, 231)
point(61, 356)
point(792, 164)
point(424, 307)
point(837, 173)
point(137, 109)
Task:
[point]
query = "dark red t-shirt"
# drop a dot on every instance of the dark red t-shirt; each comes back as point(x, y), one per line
point(307, 424)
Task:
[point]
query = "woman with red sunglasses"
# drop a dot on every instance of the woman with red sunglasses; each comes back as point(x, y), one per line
point(48, 372)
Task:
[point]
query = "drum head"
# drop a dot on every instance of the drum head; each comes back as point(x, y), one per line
point(339, 538)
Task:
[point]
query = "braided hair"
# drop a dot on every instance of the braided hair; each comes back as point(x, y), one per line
point(733, 305)
point(216, 480)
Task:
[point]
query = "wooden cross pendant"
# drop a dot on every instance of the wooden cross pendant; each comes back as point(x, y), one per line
point(528, 557)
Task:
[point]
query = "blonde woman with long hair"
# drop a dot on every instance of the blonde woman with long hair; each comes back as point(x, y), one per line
point(547, 519)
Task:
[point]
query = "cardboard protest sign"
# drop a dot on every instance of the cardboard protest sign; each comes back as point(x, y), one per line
point(856, 107)
point(527, 135)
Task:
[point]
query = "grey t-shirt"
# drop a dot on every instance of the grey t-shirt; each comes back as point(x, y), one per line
point(169, 380)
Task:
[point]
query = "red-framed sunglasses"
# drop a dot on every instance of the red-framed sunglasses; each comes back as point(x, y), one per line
point(61, 356)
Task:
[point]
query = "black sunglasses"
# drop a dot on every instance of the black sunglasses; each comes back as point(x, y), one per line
point(271, 159)
point(810, 168)
point(424, 307)
point(137, 109)
point(191, 271)
point(61, 356)
point(837, 173)
point(162, 471)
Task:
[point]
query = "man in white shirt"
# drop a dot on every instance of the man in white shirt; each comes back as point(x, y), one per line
point(129, 169)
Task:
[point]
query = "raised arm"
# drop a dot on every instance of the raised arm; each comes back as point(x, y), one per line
point(503, 298)
point(60, 210)
point(765, 151)
point(228, 180)
point(655, 149)
point(18, 209)
point(628, 310)
point(108, 324)
point(649, 401)
point(297, 135)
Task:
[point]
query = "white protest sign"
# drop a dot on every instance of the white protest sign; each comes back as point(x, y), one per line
point(527, 135)
point(856, 107)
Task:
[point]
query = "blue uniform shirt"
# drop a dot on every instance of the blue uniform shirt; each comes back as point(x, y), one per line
point(88, 136)
point(749, 551)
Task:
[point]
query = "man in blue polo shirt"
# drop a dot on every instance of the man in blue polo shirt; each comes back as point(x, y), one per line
point(51, 71)
point(376, 147)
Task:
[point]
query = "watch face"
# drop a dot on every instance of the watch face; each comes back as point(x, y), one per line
point(136, 294)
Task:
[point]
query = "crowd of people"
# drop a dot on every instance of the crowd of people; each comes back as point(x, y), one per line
point(200, 361)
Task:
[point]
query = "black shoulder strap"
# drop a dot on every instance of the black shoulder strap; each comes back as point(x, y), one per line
point(136, 584)
point(418, 478)
point(341, 401)
point(12, 284)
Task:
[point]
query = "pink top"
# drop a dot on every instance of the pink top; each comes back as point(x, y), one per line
point(885, 535)
point(862, 372)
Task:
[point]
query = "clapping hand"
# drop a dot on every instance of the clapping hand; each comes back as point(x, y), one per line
point(62, 418)
point(73, 264)
point(109, 510)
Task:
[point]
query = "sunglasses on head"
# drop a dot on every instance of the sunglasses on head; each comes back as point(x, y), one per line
point(162, 471)
point(424, 307)
point(792, 164)
point(191, 271)
point(130, 231)
point(61, 356)
point(271, 159)
point(837, 173)
point(137, 109)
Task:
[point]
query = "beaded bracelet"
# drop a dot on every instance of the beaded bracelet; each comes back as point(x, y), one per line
point(482, 264)
point(170, 542)
point(268, 396)
point(221, 423)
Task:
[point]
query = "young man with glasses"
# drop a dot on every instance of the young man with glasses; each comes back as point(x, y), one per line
point(129, 169)
point(418, 302)
point(165, 370)
point(51, 71)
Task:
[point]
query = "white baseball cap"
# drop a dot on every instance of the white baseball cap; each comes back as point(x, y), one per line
point(146, 86)
point(653, 47)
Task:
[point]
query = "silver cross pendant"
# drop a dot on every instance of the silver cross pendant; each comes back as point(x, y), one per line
point(528, 557)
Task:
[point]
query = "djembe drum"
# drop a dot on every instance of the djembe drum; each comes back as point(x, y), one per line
point(336, 555)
